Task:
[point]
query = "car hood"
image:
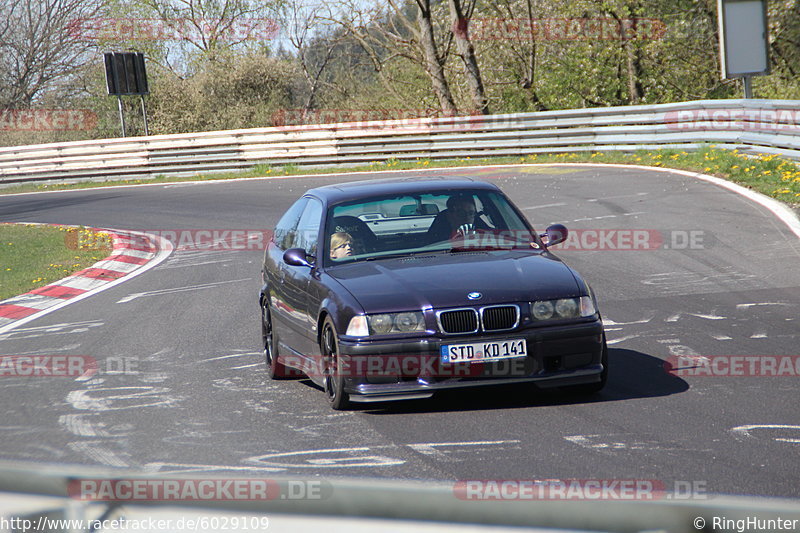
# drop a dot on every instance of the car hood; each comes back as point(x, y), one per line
point(444, 279)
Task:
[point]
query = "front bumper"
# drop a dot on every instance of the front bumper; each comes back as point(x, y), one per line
point(558, 355)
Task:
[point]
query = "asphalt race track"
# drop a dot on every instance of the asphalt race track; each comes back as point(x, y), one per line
point(718, 276)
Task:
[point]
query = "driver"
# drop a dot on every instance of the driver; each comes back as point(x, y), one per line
point(341, 245)
point(458, 218)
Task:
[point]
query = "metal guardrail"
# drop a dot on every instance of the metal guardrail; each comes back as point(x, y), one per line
point(418, 502)
point(765, 126)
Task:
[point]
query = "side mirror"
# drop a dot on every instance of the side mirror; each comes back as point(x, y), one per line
point(555, 234)
point(296, 257)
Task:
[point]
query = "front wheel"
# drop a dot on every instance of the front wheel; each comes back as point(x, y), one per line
point(334, 380)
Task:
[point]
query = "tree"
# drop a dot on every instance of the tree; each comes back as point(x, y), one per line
point(392, 31)
point(230, 91)
point(309, 31)
point(39, 47)
point(460, 17)
point(174, 33)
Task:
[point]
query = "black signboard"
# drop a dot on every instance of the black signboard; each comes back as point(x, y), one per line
point(125, 73)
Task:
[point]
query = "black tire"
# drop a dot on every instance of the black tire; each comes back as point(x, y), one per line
point(275, 369)
point(592, 388)
point(334, 381)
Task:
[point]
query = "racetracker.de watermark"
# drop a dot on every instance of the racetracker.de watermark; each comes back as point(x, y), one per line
point(561, 29)
point(175, 29)
point(48, 366)
point(770, 120)
point(66, 366)
point(47, 119)
point(430, 367)
point(578, 489)
point(733, 365)
point(634, 240)
point(183, 490)
point(184, 239)
point(587, 239)
point(395, 118)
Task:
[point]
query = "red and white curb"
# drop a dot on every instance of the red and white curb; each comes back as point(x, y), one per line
point(133, 253)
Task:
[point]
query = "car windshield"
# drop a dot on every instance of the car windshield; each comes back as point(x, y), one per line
point(388, 226)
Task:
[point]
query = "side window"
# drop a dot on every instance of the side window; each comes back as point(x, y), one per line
point(308, 227)
point(286, 228)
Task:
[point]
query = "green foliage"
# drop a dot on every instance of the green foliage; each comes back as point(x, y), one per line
point(229, 91)
point(670, 54)
point(35, 256)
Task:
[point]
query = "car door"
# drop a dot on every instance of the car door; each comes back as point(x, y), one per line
point(276, 270)
point(301, 313)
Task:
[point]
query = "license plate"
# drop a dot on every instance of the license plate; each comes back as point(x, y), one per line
point(483, 351)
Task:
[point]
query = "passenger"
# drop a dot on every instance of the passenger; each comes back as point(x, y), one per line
point(341, 245)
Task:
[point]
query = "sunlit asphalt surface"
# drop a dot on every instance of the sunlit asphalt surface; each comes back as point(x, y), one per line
point(195, 396)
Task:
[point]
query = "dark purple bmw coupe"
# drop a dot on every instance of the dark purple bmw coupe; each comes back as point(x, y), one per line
point(395, 289)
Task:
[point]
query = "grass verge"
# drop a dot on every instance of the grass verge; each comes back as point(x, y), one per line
point(35, 255)
point(771, 175)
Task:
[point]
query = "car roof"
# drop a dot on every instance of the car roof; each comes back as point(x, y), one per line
point(363, 189)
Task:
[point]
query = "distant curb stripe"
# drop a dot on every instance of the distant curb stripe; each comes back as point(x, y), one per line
point(132, 253)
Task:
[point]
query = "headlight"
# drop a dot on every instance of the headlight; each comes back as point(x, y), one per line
point(563, 308)
point(388, 323)
point(542, 310)
point(380, 324)
point(567, 307)
point(408, 321)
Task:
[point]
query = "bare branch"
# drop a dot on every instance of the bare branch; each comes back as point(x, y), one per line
point(39, 46)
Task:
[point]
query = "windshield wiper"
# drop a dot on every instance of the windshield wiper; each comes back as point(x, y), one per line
point(490, 247)
point(407, 253)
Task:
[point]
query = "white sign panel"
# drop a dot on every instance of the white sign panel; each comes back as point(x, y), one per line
point(743, 37)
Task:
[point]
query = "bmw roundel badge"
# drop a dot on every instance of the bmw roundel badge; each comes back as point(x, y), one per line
point(474, 296)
